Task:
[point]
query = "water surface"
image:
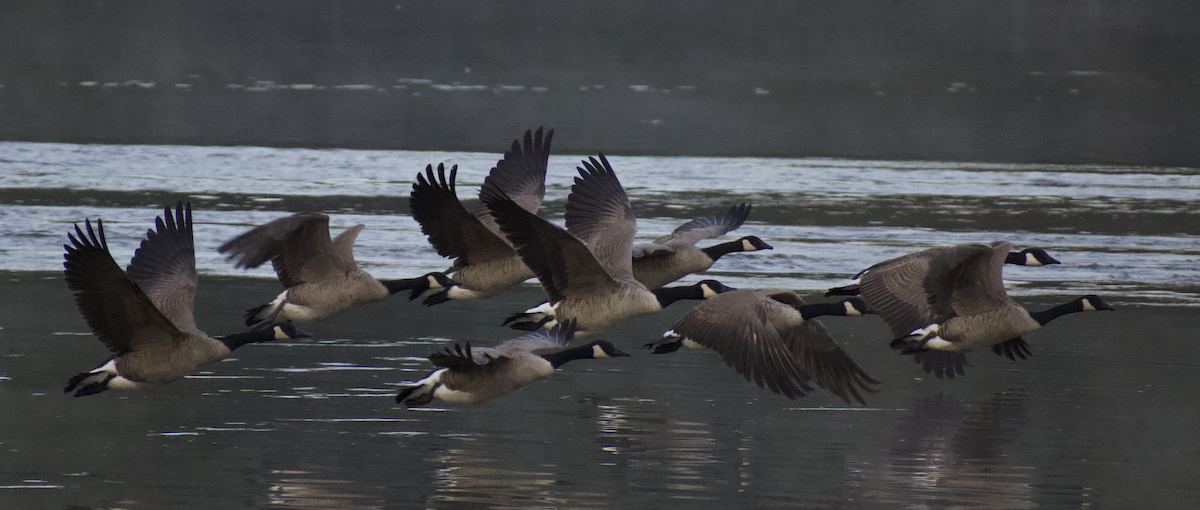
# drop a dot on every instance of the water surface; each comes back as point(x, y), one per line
point(1096, 418)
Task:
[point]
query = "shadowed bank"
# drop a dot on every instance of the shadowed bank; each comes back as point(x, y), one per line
point(1090, 82)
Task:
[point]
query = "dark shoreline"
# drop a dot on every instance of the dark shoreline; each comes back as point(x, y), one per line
point(980, 80)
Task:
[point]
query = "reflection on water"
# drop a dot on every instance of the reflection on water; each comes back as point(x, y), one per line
point(303, 490)
point(950, 455)
point(466, 479)
point(659, 453)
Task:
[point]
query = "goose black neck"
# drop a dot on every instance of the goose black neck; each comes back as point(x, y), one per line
point(394, 286)
point(1045, 316)
point(819, 309)
point(239, 339)
point(1016, 258)
point(717, 251)
point(559, 358)
point(668, 295)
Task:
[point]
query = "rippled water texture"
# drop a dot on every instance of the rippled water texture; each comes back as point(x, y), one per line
point(1101, 416)
point(1130, 230)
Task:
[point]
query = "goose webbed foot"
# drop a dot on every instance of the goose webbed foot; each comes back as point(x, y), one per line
point(437, 298)
point(91, 388)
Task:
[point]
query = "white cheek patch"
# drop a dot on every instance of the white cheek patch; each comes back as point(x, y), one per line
point(1030, 260)
point(434, 283)
point(1087, 306)
point(747, 246)
point(597, 352)
point(850, 309)
point(707, 291)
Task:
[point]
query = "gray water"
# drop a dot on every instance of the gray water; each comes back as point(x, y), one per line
point(1102, 415)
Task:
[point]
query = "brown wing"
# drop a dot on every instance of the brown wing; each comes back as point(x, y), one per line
point(343, 245)
point(828, 365)
point(915, 290)
point(977, 283)
point(468, 360)
point(707, 227)
point(298, 247)
point(452, 230)
point(164, 267)
point(737, 326)
point(562, 263)
point(115, 308)
point(598, 213)
point(521, 175)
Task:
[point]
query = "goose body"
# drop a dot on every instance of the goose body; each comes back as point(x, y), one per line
point(144, 315)
point(675, 255)
point(485, 263)
point(943, 302)
point(479, 374)
point(320, 275)
point(585, 269)
point(1028, 257)
point(773, 339)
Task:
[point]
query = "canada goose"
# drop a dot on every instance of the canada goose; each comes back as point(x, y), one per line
point(1027, 257)
point(480, 374)
point(943, 302)
point(485, 263)
point(320, 276)
point(586, 270)
point(675, 255)
point(774, 340)
point(145, 315)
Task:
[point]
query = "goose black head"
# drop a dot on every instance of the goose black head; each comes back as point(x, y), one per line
point(285, 330)
point(605, 349)
point(753, 243)
point(1031, 257)
point(856, 306)
point(710, 288)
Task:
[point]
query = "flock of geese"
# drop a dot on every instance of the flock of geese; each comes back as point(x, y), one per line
point(939, 303)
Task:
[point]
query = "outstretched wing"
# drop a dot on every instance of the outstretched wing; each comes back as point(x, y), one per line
point(736, 325)
point(556, 337)
point(707, 227)
point(599, 214)
point(561, 261)
point(115, 308)
point(343, 245)
point(298, 247)
point(521, 175)
point(913, 291)
point(164, 266)
point(452, 230)
point(467, 359)
point(828, 365)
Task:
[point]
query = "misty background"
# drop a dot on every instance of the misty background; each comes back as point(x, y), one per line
point(1073, 81)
